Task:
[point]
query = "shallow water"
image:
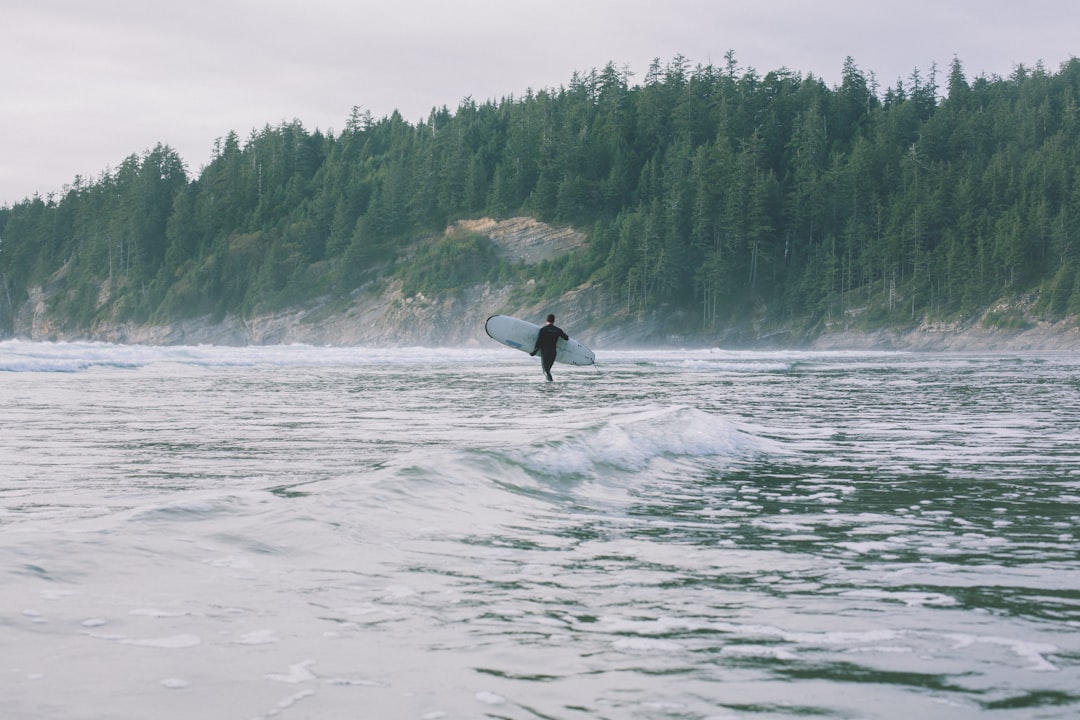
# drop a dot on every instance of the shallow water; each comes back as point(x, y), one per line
point(303, 532)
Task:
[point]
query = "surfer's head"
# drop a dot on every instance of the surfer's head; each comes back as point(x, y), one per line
point(551, 318)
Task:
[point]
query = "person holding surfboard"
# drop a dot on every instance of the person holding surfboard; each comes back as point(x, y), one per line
point(546, 341)
point(525, 336)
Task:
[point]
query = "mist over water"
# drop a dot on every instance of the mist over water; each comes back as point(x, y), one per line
point(281, 532)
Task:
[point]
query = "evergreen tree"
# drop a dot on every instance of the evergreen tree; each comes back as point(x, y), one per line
point(711, 193)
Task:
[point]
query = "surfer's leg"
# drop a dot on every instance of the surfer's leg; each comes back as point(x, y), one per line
point(546, 363)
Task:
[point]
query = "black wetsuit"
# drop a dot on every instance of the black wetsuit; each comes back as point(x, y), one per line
point(546, 342)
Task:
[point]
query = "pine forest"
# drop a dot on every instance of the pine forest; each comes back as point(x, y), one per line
point(711, 195)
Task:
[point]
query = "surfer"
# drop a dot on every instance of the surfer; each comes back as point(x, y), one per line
point(546, 341)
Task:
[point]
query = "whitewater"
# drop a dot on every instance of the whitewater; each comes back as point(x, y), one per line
point(315, 532)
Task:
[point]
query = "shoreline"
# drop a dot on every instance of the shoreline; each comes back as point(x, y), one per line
point(389, 319)
point(1059, 337)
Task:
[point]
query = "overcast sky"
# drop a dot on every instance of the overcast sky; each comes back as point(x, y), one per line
point(85, 84)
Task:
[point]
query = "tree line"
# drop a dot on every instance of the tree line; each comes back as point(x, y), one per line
point(712, 193)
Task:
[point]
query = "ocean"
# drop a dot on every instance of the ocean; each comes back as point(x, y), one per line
point(310, 532)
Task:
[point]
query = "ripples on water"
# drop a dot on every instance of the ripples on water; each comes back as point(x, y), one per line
point(312, 532)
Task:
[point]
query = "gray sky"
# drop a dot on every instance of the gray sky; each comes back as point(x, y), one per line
point(86, 84)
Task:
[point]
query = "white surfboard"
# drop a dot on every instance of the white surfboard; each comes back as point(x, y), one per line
point(521, 335)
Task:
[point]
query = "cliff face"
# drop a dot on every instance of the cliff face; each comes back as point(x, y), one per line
point(371, 316)
point(388, 318)
point(384, 316)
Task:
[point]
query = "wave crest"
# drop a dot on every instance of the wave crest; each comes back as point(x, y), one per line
point(632, 443)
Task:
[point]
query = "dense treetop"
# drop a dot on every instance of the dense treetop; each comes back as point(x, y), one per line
point(713, 193)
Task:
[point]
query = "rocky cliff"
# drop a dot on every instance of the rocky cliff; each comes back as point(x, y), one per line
point(381, 315)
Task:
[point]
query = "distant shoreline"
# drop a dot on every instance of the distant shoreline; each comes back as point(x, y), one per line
point(343, 331)
point(1043, 337)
